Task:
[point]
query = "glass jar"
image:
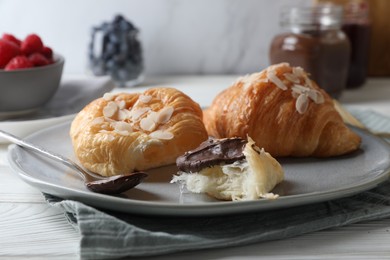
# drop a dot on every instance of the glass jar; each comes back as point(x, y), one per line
point(357, 27)
point(313, 40)
point(115, 50)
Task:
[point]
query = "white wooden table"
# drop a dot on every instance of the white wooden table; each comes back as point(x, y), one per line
point(29, 228)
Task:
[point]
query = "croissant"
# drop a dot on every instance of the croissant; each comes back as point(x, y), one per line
point(229, 169)
point(121, 133)
point(284, 112)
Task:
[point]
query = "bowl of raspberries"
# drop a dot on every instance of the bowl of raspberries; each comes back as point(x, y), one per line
point(30, 74)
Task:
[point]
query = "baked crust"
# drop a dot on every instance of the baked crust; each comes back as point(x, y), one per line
point(121, 133)
point(285, 113)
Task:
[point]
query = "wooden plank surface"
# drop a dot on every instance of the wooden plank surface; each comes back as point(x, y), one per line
point(31, 229)
point(35, 230)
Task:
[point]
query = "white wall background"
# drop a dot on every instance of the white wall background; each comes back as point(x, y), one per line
point(178, 36)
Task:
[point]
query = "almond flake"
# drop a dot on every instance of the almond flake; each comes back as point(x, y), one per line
point(271, 75)
point(145, 98)
point(259, 81)
point(300, 88)
point(147, 124)
point(110, 109)
point(124, 133)
point(161, 134)
point(164, 115)
point(302, 103)
point(298, 71)
point(316, 96)
point(108, 96)
point(291, 77)
point(121, 104)
point(136, 113)
point(154, 116)
point(124, 114)
point(107, 119)
point(123, 126)
point(97, 121)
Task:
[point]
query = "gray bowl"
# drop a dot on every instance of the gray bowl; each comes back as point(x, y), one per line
point(26, 90)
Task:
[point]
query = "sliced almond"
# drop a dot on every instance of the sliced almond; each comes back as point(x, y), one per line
point(110, 120)
point(316, 96)
point(145, 98)
point(121, 104)
point(124, 114)
point(296, 91)
point(124, 133)
point(271, 75)
point(136, 113)
point(298, 71)
point(123, 126)
point(154, 116)
point(161, 134)
point(164, 115)
point(108, 96)
point(97, 121)
point(291, 77)
point(147, 124)
point(302, 103)
point(110, 109)
point(300, 88)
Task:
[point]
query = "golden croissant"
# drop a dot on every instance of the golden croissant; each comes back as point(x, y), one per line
point(285, 113)
point(121, 133)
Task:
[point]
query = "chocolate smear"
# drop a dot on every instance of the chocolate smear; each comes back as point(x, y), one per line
point(212, 152)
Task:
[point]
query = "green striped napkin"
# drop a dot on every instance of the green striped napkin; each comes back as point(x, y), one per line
point(109, 235)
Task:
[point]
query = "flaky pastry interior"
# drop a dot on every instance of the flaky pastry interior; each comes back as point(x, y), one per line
point(285, 113)
point(121, 133)
point(248, 179)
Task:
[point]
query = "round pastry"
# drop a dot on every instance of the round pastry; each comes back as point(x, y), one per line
point(121, 133)
point(284, 112)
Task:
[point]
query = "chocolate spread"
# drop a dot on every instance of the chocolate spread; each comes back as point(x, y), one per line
point(313, 40)
point(325, 56)
point(212, 152)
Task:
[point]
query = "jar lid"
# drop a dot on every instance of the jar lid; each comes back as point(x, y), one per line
point(322, 16)
point(356, 11)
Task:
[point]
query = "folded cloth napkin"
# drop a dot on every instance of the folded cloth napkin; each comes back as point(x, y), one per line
point(109, 235)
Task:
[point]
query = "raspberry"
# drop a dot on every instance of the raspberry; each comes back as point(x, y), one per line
point(19, 62)
point(11, 38)
point(31, 44)
point(47, 52)
point(38, 59)
point(8, 50)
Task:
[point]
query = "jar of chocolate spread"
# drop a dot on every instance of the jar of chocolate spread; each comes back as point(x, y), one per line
point(357, 27)
point(313, 40)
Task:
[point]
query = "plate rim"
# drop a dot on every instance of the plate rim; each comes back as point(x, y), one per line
point(215, 208)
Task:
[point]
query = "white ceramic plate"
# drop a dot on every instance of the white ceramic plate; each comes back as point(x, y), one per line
point(73, 94)
point(307, 180)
